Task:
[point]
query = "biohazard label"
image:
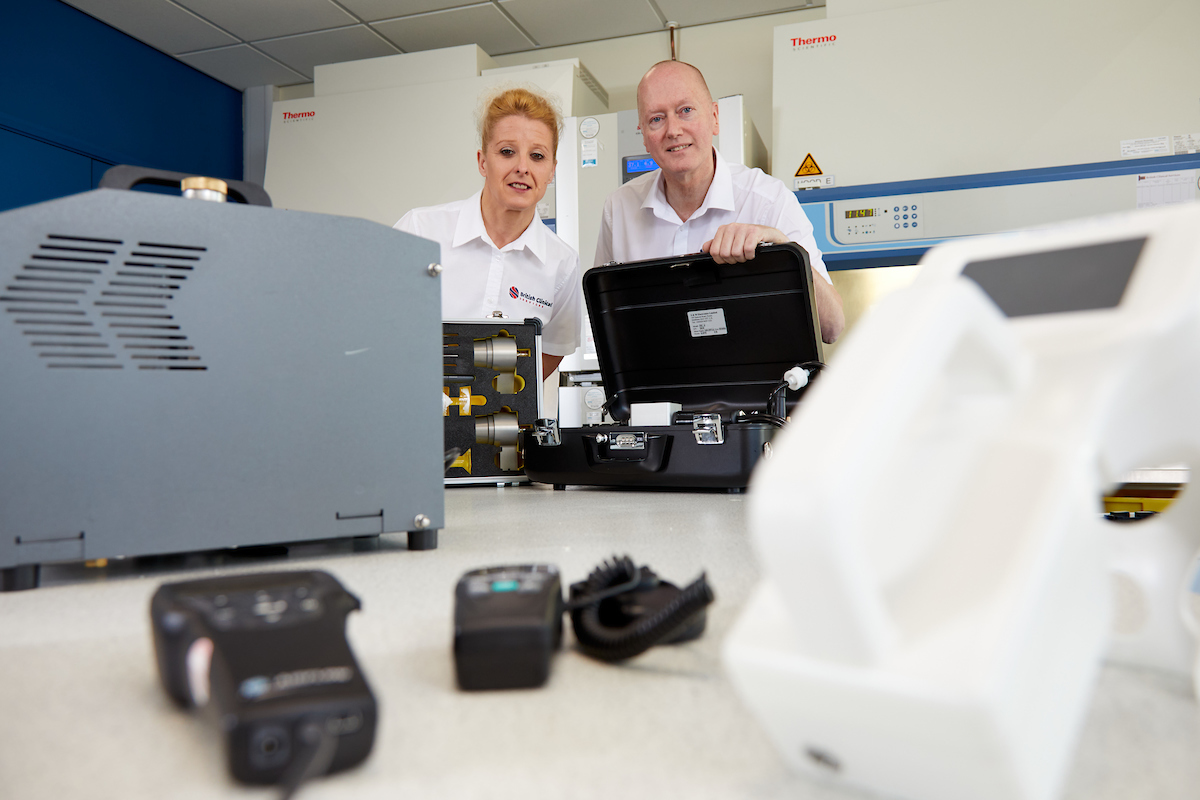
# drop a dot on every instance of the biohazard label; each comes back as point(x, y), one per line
point(809, 167)
point(709, 322)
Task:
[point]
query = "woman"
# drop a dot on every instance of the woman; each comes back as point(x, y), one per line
point(497, 255)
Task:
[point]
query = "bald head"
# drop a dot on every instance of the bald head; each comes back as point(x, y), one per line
point(678, 119)
point(672, 70)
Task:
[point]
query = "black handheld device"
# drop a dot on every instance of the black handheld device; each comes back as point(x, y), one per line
point(267, 654)
point(507, 624)
point(508, 620)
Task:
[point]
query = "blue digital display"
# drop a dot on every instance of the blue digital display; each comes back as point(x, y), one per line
point(634, 165)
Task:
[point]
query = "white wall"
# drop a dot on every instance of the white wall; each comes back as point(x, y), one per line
point(846, 8)
point(970, 86)
point(735, 57)
point(378, 153)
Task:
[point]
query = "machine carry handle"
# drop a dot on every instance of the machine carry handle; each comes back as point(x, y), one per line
point(124, 176)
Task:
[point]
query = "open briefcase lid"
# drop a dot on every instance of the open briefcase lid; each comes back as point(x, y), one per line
point(711, 337)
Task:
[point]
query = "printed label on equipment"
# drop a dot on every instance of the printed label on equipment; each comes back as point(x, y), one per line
point(709, 322)
point(808, 167)
point(813, 182)
point(1166, 188)
point(1149, 146)
point(1183, 143)
point(589, 153)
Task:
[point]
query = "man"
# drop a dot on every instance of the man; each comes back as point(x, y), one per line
point(696, 201)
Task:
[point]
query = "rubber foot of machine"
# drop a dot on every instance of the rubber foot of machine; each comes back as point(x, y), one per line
point(363, 544)
point(20, 578)
point(258, 551)
point(422, 540)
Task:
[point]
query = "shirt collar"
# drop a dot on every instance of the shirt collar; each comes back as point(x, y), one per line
point(719, 195)
point(470, 227)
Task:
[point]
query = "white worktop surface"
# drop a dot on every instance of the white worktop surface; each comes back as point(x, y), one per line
point(83, 714)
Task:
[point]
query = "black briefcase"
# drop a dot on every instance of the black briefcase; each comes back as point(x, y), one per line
point(714, 339)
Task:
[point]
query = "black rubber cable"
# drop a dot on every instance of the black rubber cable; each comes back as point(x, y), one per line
point(319, 746)
point(606, 630)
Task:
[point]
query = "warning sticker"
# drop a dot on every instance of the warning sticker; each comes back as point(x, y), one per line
point(709, 322)
point(809, 167)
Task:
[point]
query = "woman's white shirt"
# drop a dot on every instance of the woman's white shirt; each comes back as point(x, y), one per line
point(537, 275)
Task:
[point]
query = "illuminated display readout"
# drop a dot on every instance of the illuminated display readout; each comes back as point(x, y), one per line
point(855, 213)
point(640, 165)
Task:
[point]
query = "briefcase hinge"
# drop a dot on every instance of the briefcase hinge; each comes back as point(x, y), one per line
point(707, 429)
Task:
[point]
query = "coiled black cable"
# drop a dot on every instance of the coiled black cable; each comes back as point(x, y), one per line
point(649, 611)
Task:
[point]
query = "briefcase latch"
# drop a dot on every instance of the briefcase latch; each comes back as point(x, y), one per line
point(707, 429)
point(545, 431)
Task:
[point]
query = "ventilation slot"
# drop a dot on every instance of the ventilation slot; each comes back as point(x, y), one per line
point(153, 271)
point(47, 298)
point(154, 265)
point(97, 303)
point(55, 237)
point(48, 289)
point(137, 295)
point(51, 280)
point(69, 259)
point(62, 269)
point(186, 247)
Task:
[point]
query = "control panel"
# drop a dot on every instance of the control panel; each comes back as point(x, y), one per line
point(878, 219)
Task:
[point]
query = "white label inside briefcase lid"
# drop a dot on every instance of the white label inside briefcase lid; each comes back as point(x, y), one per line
point(708, 322)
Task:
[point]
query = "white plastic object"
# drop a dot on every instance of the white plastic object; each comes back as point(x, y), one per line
point(796, 378)
point(937, 569)
point(199, 666)
point(650, 415)
point(570, 406)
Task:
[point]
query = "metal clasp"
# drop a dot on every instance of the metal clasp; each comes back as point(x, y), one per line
point(545, 431)
point(707, 429)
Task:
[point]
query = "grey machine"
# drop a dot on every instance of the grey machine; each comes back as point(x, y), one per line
point(179, 375)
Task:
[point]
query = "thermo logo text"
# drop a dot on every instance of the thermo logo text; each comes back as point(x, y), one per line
point(801, 43)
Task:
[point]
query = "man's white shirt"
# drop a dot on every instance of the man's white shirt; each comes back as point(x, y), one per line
point(639, 224)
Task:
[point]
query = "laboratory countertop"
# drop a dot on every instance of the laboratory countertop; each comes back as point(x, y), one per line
point(83, 714)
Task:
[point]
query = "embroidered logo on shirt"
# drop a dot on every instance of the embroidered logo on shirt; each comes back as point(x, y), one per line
point(517, 294)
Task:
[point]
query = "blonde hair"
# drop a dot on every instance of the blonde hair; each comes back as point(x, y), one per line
point(520, 102)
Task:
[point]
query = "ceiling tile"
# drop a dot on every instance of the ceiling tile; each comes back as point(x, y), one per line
point(699, 12)
point(479, 24)
point(307, 50)
point(373, 10)
point(159, 23)
point(263, 19)
point(551, 24)
point(241, 67)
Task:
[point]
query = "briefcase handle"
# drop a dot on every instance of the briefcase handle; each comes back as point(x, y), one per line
point(124, 176)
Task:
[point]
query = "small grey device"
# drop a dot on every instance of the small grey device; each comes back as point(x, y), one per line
point(182, 375)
